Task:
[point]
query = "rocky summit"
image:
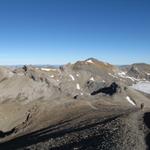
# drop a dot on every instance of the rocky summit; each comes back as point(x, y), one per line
point(87, 105)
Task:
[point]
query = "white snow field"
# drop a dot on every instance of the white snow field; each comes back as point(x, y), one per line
point(143, 86)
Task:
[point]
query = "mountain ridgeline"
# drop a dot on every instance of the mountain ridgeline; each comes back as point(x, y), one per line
point(72, 106)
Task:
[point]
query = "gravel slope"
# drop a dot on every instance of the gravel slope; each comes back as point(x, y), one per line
point(125, 131)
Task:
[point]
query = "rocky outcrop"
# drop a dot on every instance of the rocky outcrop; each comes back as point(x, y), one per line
point(110, 90)
point(139, 71)
point(83, 78)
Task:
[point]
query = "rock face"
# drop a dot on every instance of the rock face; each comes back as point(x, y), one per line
point(112, 89)
point(4, 134)
point(134, 72)
point(139, 71)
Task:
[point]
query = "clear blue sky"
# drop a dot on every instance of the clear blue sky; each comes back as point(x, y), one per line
point(60, 31)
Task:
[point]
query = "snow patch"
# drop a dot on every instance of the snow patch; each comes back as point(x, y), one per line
point(131, 78)
point(78, 86)
point(81, 93)
point(77, 75)
point(143, 86)
point(130, 101)
point(147, 73)
point(90, 61)
point(92, 79)
point(48, 69)
point(121, 74)
point(112, 75)
point(52, 76)
point(72, 77)
point(45, 69)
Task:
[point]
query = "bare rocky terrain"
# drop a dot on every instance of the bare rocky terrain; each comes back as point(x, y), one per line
point(86, 105)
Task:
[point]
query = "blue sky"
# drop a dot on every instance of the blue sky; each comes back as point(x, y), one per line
point(61, 31)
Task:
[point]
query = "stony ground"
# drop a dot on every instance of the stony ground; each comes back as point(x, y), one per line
point(128, 130)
